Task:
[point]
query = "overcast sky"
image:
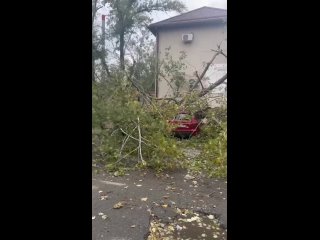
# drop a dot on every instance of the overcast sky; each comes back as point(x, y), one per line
point(191, 5)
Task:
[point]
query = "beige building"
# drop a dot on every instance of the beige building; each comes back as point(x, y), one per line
point(195, 33)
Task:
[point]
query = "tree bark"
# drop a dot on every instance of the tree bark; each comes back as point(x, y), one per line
point(213, 86)
point(204, 71)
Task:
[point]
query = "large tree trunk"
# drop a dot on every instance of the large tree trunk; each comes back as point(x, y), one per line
point(122, 50)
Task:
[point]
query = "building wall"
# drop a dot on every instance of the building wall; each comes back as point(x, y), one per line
point(205, 38)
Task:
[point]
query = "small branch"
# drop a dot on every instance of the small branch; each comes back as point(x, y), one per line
point(130, 78)
point(96, 76)
point(114, 132)
point(195, 128)
point(169, 99)
point(199, 80)
point(133, 137)
point(161, 75)
point(154, 106)
point(206, 68)
point(124, 142)
point(105, 66)
point(208, 64)
point(140, 150)
point(103, 60)
point(127, 154)
point(221, 52)
point(225, 55)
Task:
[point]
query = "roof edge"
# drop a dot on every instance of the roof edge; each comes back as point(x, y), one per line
point(186, 13)
point(154, 28)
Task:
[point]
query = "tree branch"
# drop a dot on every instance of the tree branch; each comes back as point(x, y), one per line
point(140, 149)
point(221, 52)
point(162, 75)
point(169, 99)
point(133, 137)
point(199, 81)
point(103, 60)
point(206, 68)
point(105, 66)
point(213, 86)
point(124, 143)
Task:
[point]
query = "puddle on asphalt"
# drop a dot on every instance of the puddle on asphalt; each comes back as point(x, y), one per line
point(187, 226)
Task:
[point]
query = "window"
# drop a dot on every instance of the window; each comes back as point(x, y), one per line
point(183, 116)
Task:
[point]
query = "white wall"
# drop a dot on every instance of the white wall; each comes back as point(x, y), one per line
point(198, 51)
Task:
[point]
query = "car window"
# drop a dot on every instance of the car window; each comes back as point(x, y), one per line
point(183, 116)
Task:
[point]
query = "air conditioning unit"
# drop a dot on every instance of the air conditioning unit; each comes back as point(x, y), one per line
point(187, 37)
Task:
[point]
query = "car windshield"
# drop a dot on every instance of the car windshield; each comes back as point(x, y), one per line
point(183, 116)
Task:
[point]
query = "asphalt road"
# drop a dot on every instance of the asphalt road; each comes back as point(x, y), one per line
point(141, 193)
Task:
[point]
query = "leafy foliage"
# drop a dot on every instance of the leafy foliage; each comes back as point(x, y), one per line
point(213, 158)
point(115, 113)
point(116, 110)
point(173, 71)
point(129, 16)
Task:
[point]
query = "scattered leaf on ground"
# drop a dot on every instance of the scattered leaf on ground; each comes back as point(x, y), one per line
point(171, 228)
point(93, 217)
point(189, 177)
point(144, 199)
point(104, 197)
point(118, 205)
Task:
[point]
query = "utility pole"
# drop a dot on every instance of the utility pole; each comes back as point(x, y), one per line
point(103, 31)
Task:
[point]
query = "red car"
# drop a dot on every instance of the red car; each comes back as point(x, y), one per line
point(186, 125)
